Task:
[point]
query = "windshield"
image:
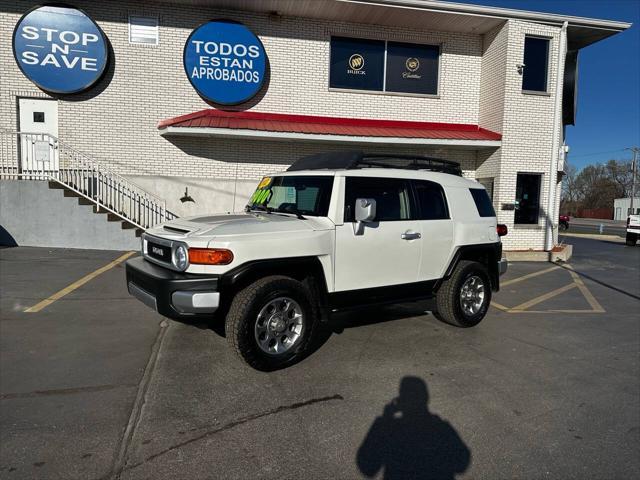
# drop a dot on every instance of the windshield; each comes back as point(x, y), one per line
point(299, 195)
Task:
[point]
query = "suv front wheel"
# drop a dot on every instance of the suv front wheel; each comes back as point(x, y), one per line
point(271, 322)
point(463, 299)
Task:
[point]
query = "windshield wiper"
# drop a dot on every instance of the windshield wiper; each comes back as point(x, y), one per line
point(290, 210)
point(259, 208)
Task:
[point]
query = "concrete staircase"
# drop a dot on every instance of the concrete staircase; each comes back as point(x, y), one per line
point(47, 214)
point(110, 217)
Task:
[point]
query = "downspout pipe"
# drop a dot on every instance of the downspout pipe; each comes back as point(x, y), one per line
point(555, 144)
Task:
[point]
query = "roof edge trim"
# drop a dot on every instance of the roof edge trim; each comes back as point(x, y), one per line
point(496, 12)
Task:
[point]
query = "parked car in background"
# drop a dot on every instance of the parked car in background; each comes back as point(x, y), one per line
point(633, 229)
point(564, 222)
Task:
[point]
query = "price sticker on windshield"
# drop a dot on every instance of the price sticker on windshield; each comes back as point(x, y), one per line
point(263, 192)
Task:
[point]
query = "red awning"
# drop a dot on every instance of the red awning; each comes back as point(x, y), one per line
point(314, 125)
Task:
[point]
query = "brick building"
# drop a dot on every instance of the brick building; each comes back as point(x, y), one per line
point(494, 89)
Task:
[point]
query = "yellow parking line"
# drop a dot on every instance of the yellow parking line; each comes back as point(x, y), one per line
point(595, 305)
point(553, 311)
point(77, 284)
point(499, 306)
point(526, 277)
point(542, 298)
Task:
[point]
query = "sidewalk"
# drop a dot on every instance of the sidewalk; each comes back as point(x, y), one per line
point(597, 221)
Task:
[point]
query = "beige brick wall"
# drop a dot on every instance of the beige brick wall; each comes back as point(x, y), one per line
point(527, 134)
point(148, 84)
point(116, 121)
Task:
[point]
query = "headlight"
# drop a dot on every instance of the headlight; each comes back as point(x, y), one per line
point(181, 258)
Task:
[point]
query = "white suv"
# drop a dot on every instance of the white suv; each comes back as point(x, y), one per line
point(334, 231)
point(633, 229)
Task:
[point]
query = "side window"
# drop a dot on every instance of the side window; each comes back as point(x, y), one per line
point(432, 204)
point(483, 203)
point(391, 196)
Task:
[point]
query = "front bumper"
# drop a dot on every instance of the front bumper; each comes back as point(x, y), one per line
point(172, 294)
point(502, 266)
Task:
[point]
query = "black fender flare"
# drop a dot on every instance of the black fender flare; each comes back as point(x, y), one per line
point(305, 269)
point(493, 254)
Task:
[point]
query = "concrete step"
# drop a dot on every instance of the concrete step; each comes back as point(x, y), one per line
point(128, 225)
point(56, 186)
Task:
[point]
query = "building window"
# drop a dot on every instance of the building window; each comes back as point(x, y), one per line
point(357, 64)
point(377, 65)
point(412, 68)
point(392, 198)
point(527, 208)
point(143, 30)
point(536, 64)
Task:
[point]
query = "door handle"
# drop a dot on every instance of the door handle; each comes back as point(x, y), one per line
point(409, 235)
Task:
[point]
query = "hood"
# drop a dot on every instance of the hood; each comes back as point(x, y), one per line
point(238, 224)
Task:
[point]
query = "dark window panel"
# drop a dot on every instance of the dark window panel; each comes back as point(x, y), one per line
point(536, 64)
point(412, 68)
point(527, 198)
point(431, 200)
point(356, 64)
point(391, 195)
point(482, 201)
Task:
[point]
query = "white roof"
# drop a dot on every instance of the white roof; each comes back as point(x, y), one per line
point(423, 14)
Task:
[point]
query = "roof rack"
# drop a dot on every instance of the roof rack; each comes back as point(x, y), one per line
point(356, 159)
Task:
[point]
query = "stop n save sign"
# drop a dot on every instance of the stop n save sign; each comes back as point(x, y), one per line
point(60, 49)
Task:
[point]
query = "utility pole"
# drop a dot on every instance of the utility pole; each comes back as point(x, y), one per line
point(634, 166)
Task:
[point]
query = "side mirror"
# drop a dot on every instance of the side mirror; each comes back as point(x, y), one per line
point(365, 211)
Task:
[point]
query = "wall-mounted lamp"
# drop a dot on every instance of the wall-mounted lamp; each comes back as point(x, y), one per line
point(186, 197)
point(275, 16)
point(520, 67)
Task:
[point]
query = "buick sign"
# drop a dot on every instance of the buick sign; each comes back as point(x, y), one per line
point(60, 49)
point(225, 62)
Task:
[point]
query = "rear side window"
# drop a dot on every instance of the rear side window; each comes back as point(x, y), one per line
point(432, 204)
point(392, 196)
point(483, 203)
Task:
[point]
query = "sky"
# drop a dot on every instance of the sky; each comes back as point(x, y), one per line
point(608, 118)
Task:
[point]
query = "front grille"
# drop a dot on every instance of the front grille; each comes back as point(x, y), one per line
point(159, 252)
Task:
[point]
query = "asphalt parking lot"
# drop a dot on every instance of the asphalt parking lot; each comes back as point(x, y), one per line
point(95, 385)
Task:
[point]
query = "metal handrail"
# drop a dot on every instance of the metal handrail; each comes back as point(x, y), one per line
point(41, 156)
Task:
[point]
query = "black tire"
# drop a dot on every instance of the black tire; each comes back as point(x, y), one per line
point(448, 303)
point(564, 226)
point(240, 322)
point(632, 238)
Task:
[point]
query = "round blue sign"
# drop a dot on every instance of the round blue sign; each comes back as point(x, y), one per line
point(225, 62)
point(60, 49)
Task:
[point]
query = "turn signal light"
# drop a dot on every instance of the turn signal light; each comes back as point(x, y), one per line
point(502, 230)
point(210, 256)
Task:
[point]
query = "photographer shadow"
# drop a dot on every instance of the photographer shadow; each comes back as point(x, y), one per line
point(408, 441)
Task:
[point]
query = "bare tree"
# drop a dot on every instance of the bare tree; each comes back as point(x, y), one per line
point(619, 171)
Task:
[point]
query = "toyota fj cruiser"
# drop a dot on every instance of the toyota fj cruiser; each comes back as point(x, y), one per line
point(334, 231)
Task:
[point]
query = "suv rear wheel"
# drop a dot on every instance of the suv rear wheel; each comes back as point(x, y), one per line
point(632, 238)
point(463, 299)
point(271, 322)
